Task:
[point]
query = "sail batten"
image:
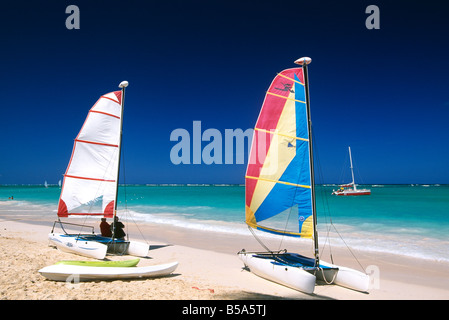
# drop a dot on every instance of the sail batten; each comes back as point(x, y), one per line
point(283, 182)
point(87, 178)
point(105, 113)
point(281, 134)
point(284, 76)
point(279, 96)
point(98, 143)
point(278, 180)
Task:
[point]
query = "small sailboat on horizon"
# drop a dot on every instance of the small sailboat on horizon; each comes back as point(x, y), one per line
point(90, 184)
point(350, 189)
point(280, 182)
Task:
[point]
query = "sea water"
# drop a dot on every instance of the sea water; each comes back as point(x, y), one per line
point(411, 220)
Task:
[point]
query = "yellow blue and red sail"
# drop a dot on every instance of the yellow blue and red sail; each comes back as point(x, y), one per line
point(278, 179)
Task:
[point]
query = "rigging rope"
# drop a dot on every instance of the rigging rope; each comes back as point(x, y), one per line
point(258, 240)
point(126, 202)
point(325, 200)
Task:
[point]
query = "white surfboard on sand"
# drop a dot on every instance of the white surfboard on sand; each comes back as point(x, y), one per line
point(60, 272)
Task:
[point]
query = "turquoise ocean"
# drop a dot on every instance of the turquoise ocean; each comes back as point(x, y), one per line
point(410, 220)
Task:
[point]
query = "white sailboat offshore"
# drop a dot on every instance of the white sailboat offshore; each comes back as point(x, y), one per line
point(350, 189)
point(90, 184)
point(281, 182)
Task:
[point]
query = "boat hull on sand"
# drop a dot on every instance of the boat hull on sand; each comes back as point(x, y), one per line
point(350, 278)
point(93, 246)
point(70, 244)
point(293, 277)
point(60, 272)
point(298, 272)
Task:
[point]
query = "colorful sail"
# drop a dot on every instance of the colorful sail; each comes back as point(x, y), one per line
point(278, 178)
point(90, 181)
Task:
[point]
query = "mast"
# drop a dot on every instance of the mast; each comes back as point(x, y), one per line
point(352, 171)
point(122, 85)
point(304, 62)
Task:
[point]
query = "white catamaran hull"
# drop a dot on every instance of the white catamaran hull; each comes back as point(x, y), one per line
point(138, 249)
point(91, 249)
point(83, 273)
point(350, 278)
point(293, 277)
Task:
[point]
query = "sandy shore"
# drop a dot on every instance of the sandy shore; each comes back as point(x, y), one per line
point(208, 268)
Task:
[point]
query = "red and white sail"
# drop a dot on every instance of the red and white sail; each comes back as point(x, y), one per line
point(90, 182)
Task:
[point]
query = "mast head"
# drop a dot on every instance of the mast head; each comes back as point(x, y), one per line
point(123, 84)
point(303, 61)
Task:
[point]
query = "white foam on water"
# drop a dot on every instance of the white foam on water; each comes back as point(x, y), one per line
point(368, 237)
point(405, 242)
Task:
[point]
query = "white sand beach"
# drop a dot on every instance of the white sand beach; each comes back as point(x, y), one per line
point(208, 269)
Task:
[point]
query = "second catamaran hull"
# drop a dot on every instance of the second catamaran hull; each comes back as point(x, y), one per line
point(350, 278)
point(138, 249)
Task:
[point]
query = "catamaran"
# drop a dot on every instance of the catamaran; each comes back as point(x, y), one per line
point(350, 189)
point(280, 181)
point(90, 184)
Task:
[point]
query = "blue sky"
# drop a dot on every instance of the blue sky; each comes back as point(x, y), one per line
point(384, 92)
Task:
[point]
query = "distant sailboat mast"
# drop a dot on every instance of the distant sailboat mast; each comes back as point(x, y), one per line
point(352, 171)
point(304, 62)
